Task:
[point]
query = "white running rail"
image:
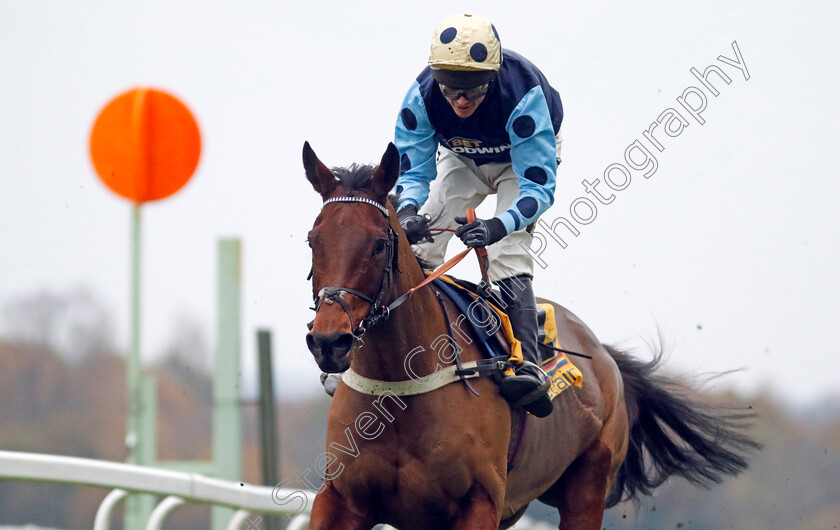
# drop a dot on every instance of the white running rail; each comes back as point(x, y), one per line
point(176, 487)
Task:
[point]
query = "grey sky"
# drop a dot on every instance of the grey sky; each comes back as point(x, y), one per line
point(730, 249)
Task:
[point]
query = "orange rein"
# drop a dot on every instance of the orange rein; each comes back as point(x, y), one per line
point(481, 253)
point(441, 270)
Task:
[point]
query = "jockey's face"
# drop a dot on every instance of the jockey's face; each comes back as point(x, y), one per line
point(463, 107)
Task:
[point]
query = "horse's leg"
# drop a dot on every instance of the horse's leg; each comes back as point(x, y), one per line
point(479, 512)
point(581, 492)
point(330, 512)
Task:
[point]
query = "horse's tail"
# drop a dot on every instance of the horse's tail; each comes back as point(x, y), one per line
point(672, 434)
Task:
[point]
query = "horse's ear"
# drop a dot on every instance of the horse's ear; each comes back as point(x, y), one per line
point(386, 174)
point(317, 173)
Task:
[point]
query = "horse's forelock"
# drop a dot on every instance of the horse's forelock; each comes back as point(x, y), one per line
point(354, 177)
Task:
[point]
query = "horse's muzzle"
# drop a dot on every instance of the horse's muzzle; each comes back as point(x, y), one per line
point(330, 351)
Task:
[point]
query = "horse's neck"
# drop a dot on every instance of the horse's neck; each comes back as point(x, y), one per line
point(415, 323)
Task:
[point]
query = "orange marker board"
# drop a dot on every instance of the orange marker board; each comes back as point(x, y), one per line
point(145, 145)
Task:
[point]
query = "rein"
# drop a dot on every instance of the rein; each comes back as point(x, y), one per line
point(480, 252)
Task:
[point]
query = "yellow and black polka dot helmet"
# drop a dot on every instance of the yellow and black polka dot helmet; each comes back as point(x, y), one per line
point(466, 51)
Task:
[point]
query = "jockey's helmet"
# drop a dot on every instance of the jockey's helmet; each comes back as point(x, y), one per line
point(466, 51)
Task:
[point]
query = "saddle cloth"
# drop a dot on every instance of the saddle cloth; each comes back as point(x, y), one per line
point(489, 324)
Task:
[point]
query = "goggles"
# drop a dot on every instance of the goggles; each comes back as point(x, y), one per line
point(469, 93)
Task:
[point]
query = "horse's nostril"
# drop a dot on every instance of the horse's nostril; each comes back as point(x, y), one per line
point(342, 344)
point(311, 343)
point(334, 345)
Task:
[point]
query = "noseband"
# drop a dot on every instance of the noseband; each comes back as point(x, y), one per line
point(377, 311)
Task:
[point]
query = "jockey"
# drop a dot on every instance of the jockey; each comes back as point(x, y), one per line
point(478, 121)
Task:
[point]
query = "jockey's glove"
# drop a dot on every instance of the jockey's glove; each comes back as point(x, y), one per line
point(416, 226)
point(480, 233)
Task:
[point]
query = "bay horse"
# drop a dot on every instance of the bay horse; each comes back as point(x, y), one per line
point(439, 459)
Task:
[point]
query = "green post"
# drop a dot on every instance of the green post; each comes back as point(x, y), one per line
point(148, 420)
point(268, 420)
point(138, 507)
point(227, 420)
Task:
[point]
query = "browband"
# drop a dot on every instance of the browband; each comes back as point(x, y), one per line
point(358, 199)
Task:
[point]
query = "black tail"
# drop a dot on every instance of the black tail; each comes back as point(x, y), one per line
point(671, 434)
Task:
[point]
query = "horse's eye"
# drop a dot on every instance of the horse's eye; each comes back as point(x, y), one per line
point(308, 242)
point(380, 246)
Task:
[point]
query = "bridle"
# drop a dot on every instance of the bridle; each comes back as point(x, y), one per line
point(377, 312)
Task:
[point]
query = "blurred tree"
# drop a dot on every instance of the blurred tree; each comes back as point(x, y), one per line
point(31, 319)
point(188, 345)
point(77, 325)
point(187, 356)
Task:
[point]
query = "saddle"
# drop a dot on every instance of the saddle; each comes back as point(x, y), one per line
point(499, 343)
point(494, 333)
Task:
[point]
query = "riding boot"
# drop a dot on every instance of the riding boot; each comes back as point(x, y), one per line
point(526, 388)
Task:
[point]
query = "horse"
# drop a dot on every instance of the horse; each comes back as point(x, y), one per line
point(439, 459)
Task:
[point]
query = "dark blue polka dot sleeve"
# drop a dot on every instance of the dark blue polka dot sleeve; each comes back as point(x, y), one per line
point(534, 158)
point(415, 138)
